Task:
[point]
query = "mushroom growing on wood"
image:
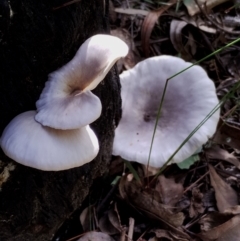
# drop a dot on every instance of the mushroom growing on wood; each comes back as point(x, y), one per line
point(66, 101)
point(31, 144)
point(189, 98)
point(58, 136)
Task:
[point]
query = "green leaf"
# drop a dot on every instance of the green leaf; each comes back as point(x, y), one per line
point(188, 162)
point(188, 2)
point(116, 180)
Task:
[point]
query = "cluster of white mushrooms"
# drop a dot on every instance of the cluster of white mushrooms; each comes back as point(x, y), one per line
point(57, 136)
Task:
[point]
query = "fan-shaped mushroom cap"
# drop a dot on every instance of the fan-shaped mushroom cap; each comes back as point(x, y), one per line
point(189, 98)
point(67, 101)
point(31, 144)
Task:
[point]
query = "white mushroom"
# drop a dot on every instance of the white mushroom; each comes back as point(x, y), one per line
point(67, 101)
point(31, 144)
point(58, 136)
point(190, 97)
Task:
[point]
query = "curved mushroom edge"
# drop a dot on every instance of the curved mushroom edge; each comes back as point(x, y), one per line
point(31, 144)
point(66, 101)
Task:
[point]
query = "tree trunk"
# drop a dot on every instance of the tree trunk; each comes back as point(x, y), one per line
point(36, 38)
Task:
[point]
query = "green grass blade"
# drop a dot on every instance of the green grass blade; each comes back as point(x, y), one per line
point(227, 96)
point(164, 92)
point(132, 170)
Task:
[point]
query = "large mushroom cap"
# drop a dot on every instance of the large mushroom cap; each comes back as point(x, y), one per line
point(31, 144)
point(66, 101)
point(189, 98)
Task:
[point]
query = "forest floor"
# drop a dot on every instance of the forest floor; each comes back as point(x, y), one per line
point(196, 201)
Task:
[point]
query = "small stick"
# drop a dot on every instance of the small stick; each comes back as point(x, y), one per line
point(123, 234)
point(66, 4)
point(193, 184)
point(131, 228)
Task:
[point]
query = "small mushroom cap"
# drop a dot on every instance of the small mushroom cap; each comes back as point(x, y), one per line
point(31, 144)
point(66, 101)
point(189, 98)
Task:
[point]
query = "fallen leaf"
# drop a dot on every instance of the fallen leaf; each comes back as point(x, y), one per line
point(225, 195)
point(176, 28)
point(169, 191)
point(227, 134)
point(215, 152)
point(213, 219)
point(96, 236)
point(149, 23)
point(148, 201)
point(161, 234)
point(193, 8)
point(228, 230)
point(199, 23)
point(87, 218)
point(233, 210)
point(196, 206)
point(109, 223)
point(106, 226)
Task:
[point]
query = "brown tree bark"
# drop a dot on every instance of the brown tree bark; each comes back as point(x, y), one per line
point(36, 38)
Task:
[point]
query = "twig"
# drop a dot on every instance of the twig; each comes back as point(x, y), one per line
point(131, 228)
point(193, 184)
point(66, 4)
point(188, 225)
point(110, 193)
point(140, 238)
point(215, 24)
point(212, 50)
point(123, 234)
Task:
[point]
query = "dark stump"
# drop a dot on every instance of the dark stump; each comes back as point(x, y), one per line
point(36, 38)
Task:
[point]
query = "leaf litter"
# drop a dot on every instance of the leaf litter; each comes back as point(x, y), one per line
point(201, 200)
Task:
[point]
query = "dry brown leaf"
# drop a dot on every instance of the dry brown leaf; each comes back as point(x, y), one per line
point(227, 134)
point(169, 191)
point(109, 223)
point(86, 218)
point(213, 219)
point(116, 166)
point(227, 231)
point(196, 205)
point(148, 201)
point(114, 218)
point(233, 210)
point(215, 152)
point(96, 236)
point(176, 28)
point(226, 196)
point(198, 22)
point(149, 23)
point(193, 8)
point(191, 45)
point(162, 234)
